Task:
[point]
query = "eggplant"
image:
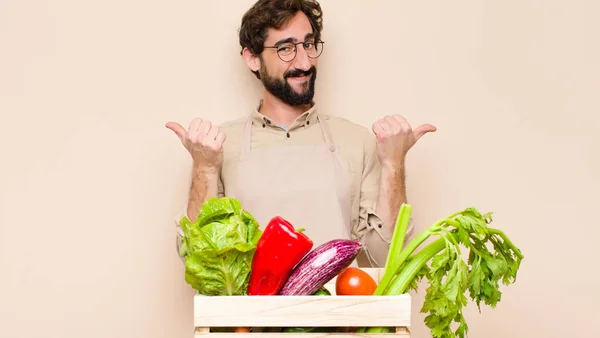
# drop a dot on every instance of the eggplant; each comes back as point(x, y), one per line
point(320, 266)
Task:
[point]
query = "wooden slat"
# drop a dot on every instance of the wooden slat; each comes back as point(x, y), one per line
point(403, 331)
point(302, 311)
point(405, 334)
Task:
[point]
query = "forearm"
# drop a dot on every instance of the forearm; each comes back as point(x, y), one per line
point(204, 186)
point(392, 194)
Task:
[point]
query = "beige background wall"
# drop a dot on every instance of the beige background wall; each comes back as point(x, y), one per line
point(90, 180)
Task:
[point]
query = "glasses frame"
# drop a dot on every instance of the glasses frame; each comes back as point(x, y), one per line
point(303, 43)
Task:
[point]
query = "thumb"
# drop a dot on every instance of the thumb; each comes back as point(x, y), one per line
point(378, 131)
point(177, 129)
point(423, 129)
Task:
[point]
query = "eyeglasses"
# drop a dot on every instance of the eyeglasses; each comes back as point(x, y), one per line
point(287, 51)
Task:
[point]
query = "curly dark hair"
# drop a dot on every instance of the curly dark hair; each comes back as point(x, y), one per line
point(265, 14)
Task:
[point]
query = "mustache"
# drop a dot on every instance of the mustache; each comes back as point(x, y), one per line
point(298, 72)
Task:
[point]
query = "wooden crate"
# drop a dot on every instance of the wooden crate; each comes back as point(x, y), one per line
point(304, 311)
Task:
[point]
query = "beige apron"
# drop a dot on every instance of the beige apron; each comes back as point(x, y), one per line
point(307, 185)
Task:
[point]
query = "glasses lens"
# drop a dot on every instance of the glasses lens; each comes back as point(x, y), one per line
point(315, 50)
point(287, 51)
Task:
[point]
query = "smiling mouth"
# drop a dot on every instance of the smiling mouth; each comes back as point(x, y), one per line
point(300, 78)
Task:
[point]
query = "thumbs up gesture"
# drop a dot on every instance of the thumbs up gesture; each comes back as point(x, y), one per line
point(203, 141)
point(395, 137)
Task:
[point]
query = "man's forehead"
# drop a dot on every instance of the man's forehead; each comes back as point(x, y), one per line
point(297, 28)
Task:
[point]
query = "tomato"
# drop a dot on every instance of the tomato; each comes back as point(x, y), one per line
point(353, 282)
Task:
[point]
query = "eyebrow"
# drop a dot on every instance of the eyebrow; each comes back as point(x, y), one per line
point(282, 41)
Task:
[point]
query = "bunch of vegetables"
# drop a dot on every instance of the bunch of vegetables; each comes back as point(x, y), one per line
point(227, 254)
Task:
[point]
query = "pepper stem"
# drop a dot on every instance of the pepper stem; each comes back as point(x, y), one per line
point(300, 230)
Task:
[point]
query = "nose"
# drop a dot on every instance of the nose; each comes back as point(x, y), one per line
point(302, 61)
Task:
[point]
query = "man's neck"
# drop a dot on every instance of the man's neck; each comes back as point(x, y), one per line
point(279, 112)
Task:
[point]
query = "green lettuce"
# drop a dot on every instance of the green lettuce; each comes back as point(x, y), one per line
point(219, 247)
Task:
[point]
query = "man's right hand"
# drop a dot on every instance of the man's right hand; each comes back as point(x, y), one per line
point(203, 141)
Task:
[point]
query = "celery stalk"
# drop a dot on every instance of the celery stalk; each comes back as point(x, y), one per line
point(395, 261)
point(391, 270)
point(416, 263)
point(399, 232)
point(396, 246)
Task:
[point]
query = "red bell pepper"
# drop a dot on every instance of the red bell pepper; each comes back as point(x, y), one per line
point(278, 250)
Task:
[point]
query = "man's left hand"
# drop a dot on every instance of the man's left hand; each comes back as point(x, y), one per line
point(395, 137)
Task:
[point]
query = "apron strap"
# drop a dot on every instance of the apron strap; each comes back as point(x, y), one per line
point(324, 129)
point(340, 172)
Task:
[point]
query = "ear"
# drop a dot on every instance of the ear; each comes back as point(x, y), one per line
point(251, 60)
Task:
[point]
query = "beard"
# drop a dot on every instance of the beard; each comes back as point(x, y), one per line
point(281, 89)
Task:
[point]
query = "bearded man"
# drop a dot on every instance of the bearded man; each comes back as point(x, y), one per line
point(323, 173)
